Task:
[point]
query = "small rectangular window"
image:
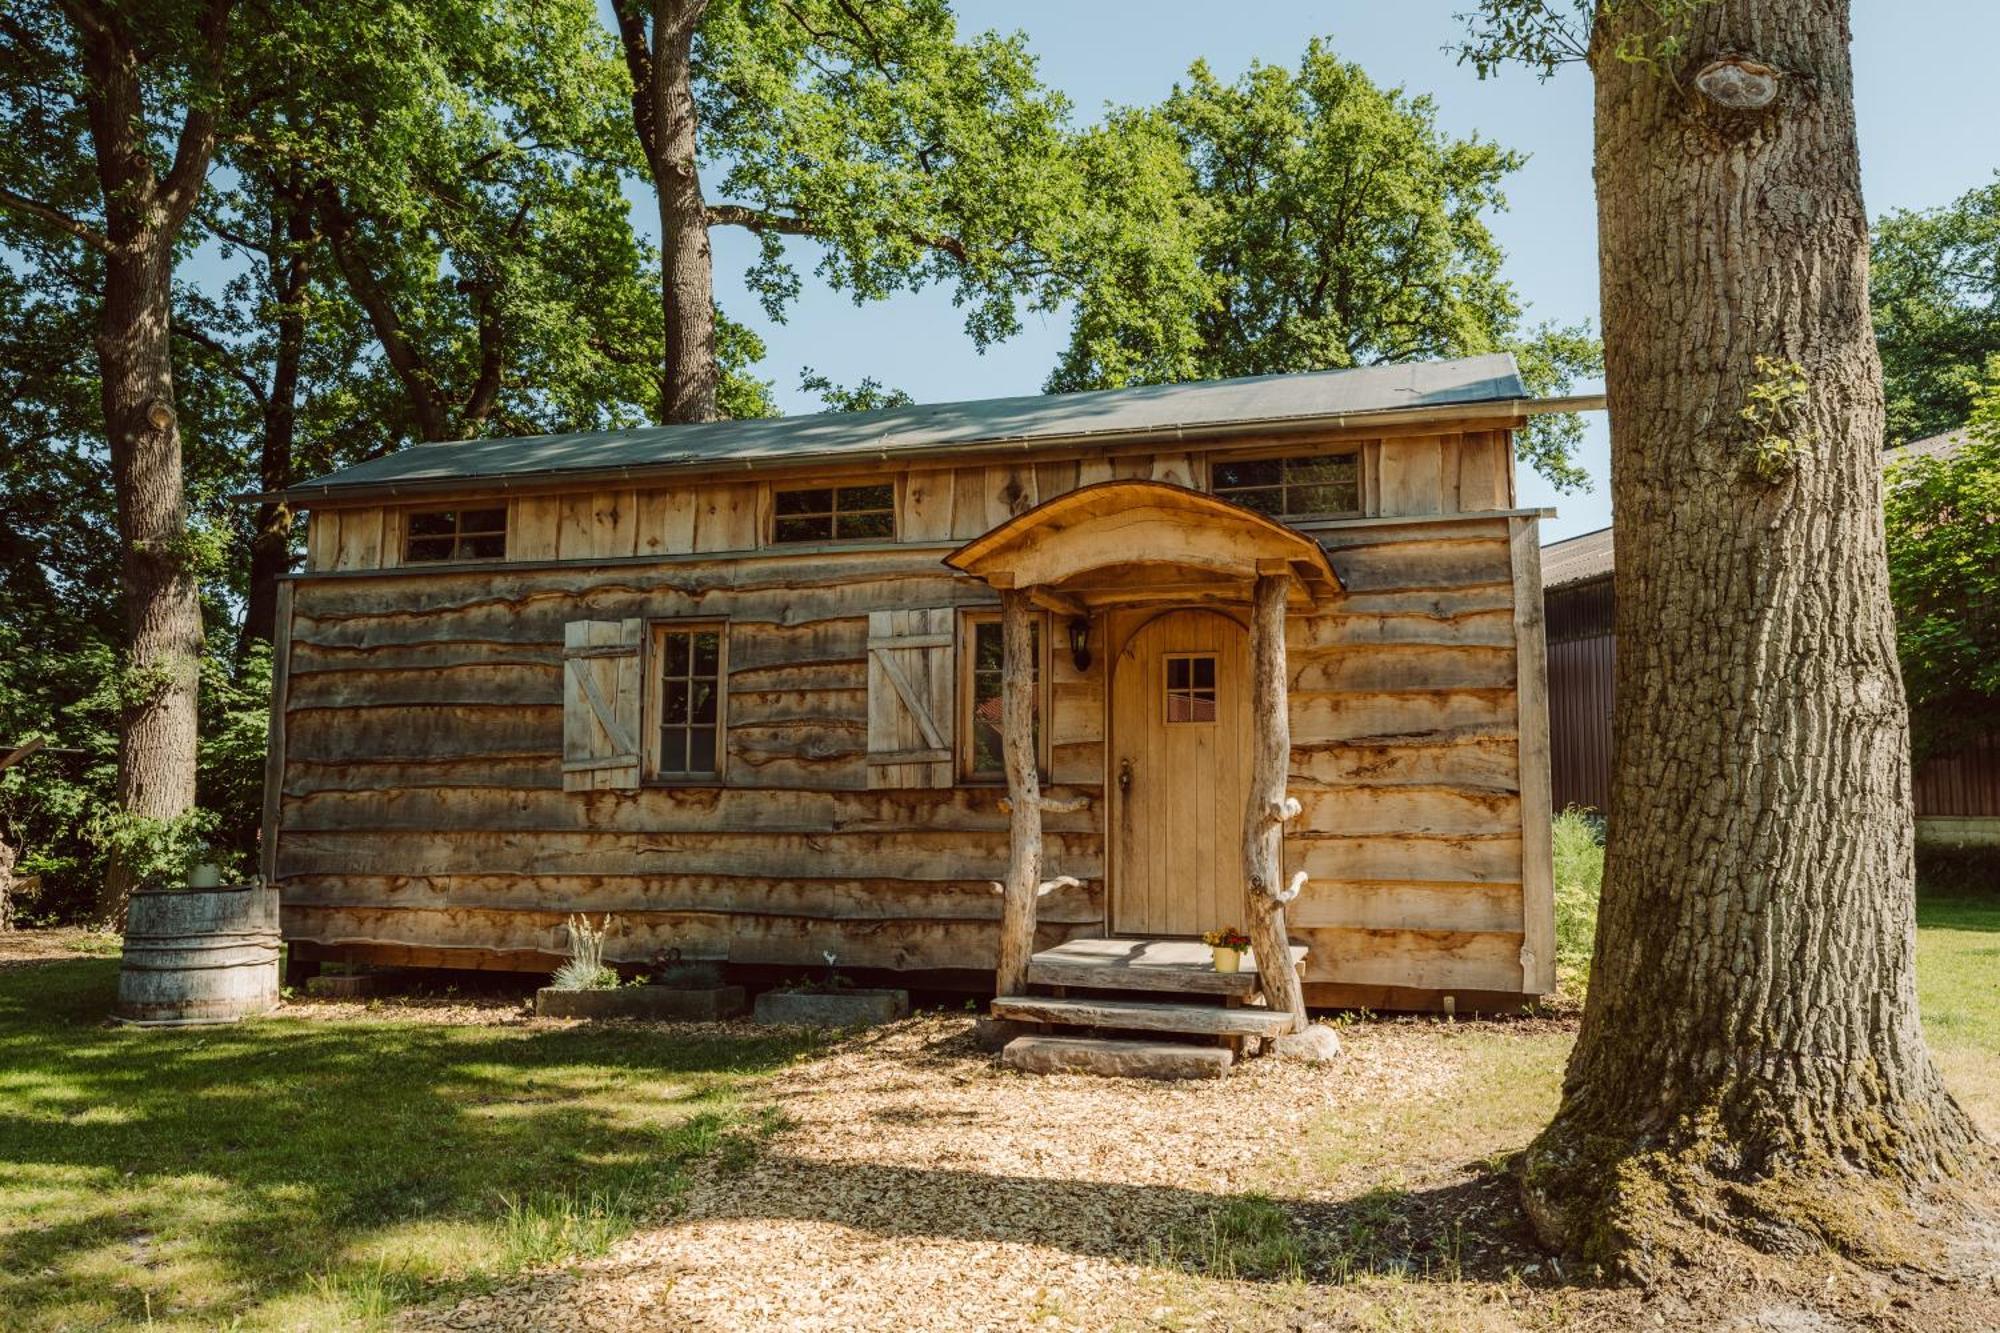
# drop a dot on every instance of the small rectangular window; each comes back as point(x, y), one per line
point(1191, 688)
point(433, 535)
point(1292, 487)
point(835, 514)
point(984, 749)
point(687, 701)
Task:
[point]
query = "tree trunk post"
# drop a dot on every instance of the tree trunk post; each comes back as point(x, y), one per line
point(1024, 793)
point(1263, 822)
point(1750, 1060)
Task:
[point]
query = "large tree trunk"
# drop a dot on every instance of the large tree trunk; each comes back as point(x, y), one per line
point(660, 66)
point(1750, 1061)
point(271, 545)
point(143, 213)
point(687, 277)
point(156, 752)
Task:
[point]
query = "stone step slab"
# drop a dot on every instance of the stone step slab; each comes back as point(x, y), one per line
point(1115, 1059)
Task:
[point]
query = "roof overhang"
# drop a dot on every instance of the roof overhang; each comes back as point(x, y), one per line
point(1120, 541)
point(1497, 413)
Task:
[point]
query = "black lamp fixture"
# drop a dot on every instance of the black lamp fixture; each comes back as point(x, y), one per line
point(1079, 643)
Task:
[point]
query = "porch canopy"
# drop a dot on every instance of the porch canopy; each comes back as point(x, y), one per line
point(1126, 542)
point(1129, 541)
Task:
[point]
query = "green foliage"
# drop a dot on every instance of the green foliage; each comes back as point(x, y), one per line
point(867, 396)
point(1545, 35)
point(576, 975)
point(1934, 286)
point(908, 154)
point(1943, 518)
point(1774, 439)
point(1298, 220)
point(1579, 874)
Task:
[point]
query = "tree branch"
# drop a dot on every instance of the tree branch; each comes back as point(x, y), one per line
point(55, 217)
point(196, 148)
point(228, 356)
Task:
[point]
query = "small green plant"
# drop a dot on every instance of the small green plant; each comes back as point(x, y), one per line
point(585, 969)
point(1776, 438)
point(1579, 858)
point(1246, 1237)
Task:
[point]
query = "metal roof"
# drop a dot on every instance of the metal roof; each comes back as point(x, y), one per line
point(1577, 559)
point(1105, 415)
point(1931, 446)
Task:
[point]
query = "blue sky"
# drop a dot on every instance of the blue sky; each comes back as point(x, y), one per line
point(1926, 108)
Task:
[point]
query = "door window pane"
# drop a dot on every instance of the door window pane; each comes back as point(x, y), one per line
point(1190, 689)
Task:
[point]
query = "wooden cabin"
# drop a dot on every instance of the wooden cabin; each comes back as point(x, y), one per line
point(742, 685)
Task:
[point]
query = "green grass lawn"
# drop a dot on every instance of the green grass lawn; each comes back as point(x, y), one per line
point(321, 1173)
point(1958, 992)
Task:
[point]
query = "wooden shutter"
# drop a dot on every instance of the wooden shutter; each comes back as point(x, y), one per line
point(601, 694)
point(910, 685)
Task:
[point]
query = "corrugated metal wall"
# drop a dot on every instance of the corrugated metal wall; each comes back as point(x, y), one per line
point(1582, 665)
point(1967, 783)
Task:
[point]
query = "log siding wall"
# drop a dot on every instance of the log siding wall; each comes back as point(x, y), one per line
point(417, 811)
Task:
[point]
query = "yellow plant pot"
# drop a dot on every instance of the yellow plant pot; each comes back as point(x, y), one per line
point(1227, 960)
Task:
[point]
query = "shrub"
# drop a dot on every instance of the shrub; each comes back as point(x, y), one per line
point(585, 969)
point(1579, 846)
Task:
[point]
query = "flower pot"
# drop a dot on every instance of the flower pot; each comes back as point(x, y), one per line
point(1227, 960)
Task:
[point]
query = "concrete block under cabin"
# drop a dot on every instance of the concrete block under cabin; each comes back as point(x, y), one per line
point(358, 985)
point(738, 685)
point(831, 1009)
point(658, 1004)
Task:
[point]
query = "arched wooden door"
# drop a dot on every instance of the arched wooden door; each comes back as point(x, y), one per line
point(1180, 772)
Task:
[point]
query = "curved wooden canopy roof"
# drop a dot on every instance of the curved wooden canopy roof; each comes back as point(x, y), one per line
point(1121, 536)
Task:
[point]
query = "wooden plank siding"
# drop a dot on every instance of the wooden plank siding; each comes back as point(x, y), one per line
point(416, 808)
point(1405, 720)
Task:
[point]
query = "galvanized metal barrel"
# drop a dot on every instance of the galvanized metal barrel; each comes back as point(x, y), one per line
point(199, 956)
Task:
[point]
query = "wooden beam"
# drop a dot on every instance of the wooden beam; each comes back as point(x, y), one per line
point(1269, 807)
point(274, 753)
point(1538, 880)
point(1024, 793)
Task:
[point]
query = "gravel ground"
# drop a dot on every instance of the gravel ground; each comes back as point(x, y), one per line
point(914, 1185)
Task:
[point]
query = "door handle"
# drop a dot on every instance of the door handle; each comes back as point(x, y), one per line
point(1124, 775)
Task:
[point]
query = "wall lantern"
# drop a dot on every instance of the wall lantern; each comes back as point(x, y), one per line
point(1079, 643)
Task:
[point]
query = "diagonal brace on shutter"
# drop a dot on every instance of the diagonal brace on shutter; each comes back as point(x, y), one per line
point(912, 701)
point(621, 739)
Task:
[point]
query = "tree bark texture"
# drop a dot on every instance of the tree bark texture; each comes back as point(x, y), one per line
point(1024, 793)
point(271, 544)
point(665, 118)
point(1750, 1052)
point(143, 213)
point(1264, 821)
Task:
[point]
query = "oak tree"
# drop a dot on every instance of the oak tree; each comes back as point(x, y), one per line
point(1750, 1062)
point(905, 154)
point(147, 95)
point(1297, 220)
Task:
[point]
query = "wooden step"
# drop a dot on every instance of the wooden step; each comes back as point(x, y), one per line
point(1180, 966)
point(1115, 1059)
point(1194, 1020)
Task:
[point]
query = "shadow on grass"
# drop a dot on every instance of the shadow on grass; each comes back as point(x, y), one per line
point(341, 1167)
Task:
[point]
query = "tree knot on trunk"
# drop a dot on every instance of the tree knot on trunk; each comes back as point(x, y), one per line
point(1738, 83)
